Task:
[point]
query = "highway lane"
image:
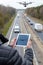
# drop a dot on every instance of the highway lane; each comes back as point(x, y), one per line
point(14, 35)
point(39, 34)
point(16, 22)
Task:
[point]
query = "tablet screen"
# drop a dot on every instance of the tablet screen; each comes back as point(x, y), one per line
point(22, 40)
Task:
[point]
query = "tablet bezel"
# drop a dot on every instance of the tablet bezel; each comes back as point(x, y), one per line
point(23, 34)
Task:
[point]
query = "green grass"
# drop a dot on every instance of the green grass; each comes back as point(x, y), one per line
point(6, 27)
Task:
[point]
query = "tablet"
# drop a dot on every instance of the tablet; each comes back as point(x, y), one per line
point(22, 39)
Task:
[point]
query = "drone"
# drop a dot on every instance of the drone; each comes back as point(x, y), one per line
point(25, 4)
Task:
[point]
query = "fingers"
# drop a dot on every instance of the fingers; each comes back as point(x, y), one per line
point(13, 42)
point(29, 44)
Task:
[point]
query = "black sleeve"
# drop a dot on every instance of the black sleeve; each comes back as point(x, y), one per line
point(14, 58)
point(3, 39)
point(28, 57)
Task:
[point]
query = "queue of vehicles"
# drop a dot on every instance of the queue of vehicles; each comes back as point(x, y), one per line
point(37, 26)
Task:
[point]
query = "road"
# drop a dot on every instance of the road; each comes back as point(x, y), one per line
point(25, 28)
point(39, 34)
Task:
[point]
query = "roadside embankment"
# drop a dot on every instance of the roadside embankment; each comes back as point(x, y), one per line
point(7, 26)
point(36, 20)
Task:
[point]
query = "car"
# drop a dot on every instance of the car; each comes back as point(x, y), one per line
point(31, 23)
point(16, 29)
point(38, 27)
point(28, 19)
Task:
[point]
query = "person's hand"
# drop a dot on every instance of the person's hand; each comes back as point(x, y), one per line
point(29, 44)
point(13, 42)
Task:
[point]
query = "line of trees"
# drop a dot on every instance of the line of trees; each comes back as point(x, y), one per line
point(35, 12)
point(5, 15)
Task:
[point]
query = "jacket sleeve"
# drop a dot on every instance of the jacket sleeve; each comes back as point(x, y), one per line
point(28, 57)
point(3, 39)
point(14, 58)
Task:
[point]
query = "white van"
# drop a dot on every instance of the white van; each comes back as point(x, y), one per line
point(16, 29)
point(38, 27)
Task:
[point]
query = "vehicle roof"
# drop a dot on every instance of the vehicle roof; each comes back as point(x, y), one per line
point(38, 24)
point(16, 26)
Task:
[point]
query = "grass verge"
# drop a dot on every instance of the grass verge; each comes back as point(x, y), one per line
point(6, 27)
point(36, 20)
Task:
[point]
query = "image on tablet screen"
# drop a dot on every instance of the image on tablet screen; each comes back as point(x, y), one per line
point(22, 40)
